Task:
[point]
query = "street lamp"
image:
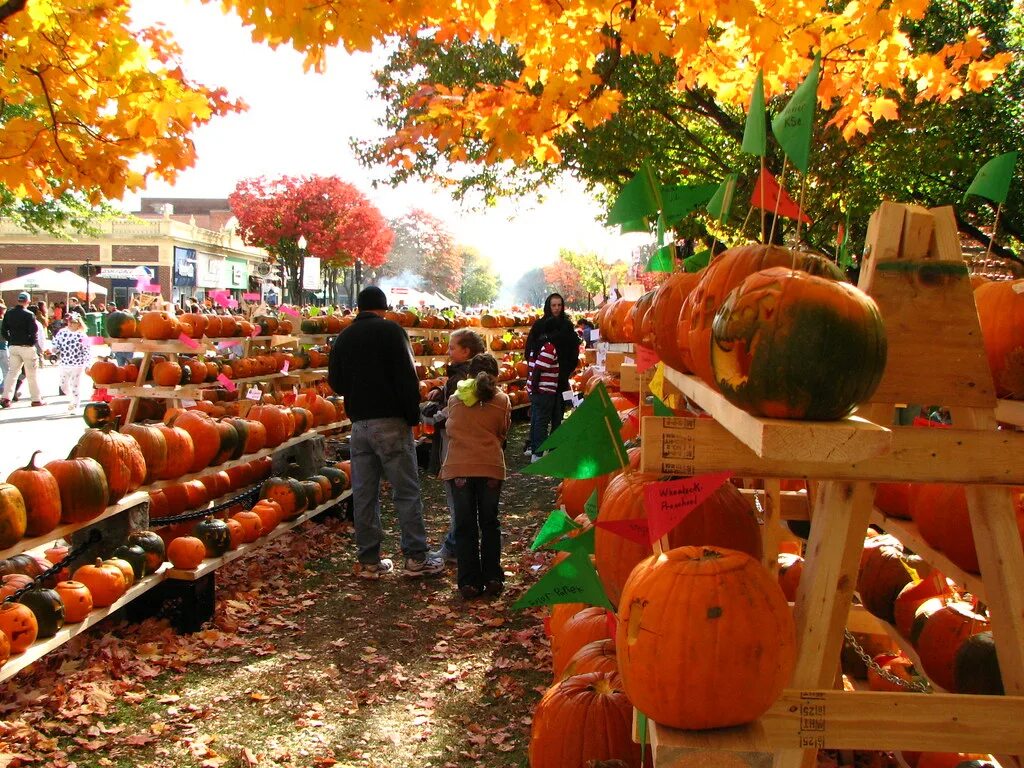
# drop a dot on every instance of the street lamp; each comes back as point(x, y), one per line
point(302, 243)
point(87, 270)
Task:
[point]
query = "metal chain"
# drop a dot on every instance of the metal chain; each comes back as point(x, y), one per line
point(889, 677)
point(242, 498)
point(760, 513)
point(94, 537)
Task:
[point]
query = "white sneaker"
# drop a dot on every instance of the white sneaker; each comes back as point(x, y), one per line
point(428, 566)
point(371, 571)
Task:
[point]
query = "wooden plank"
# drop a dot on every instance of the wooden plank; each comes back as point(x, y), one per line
point(40, 648)
point(1010, 412)
point(850, 439)
point(689, 446)
point(830, 719)
point(906, 531)
point(173, 345)
point(63, 531)
point(771, 526)
point(211, 564)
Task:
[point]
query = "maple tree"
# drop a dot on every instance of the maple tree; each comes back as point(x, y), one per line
point(425, 253)
point(564, 278)
point(479, 283)
point(340, 225)
point(90, 104)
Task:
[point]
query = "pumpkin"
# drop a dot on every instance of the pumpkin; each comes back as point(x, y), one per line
point(270, 514)
point(893, 499)
point(948, 759)
point(193, 325)
point(214, 534)
point(574, 494)
point(106, 582)
point(180, 452)
point(120, 456)
point(583, 627)
point(204, 433)
point(83, 488)
point(97, 414)
point(251, 525)
point(337, 478)
point(12, 582)
point(150, 543)
point(940, 637)
point(229, 441)
point(665, 308)
point(136, 557)
point(287, 493)
point(596, 656)
point(791, 568)
point(315, 495)
point(77, 600)
point(159, 325)
point(186, 552)
point(913, 595)
point(54, 555)
point(643, 321)
point(692, 604)
point(48, 608)
point(584, 720)
point(120, 325)
point(883, 574)
point(777, 320)
point(976, 667)
point(103, 372)
point(724, 519)
point(235, 533)
point(23, 563)
point(153, 444)
point(1001, 314)
point(895, 664)
point(13, 515)
point(717, 281)
point(18, 623)
point(275, 422)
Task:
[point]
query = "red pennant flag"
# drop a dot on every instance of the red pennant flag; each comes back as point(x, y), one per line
point(921, 421)
point(646, 358)
point(634, 529)
point(667, 503)
point(767, 192)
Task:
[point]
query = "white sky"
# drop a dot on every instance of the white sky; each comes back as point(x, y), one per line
point(301, 124)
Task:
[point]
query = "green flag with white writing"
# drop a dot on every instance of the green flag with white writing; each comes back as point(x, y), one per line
point(754, 131)
point(794, 125)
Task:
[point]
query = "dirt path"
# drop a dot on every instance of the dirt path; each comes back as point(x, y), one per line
point(306, 665)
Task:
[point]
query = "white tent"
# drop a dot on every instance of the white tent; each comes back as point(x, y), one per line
point(42, 280)
point(72, 283)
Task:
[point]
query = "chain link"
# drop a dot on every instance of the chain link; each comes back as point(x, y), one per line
point(889, 677)
point(242, 498)
point(760, 513)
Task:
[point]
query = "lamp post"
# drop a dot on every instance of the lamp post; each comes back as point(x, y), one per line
point(302, 243)
point(87, 272)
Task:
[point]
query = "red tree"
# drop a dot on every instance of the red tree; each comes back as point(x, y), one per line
point(340, 225)
point(426, 249)
point(564, 278)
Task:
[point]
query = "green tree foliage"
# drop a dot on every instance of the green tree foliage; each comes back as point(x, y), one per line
point(531, 288)
point(62, 217)
point(596, 275)
point(480, 283)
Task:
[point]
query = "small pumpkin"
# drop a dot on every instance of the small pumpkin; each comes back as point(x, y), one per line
point(105, 582)
point(596, 656)
point(135, 556)
point(270, 514)
point(582, 628)
point(13, 516)
point(48, 608)
point(83, 487)
point(214, 534)
point(186, 552)
point(19, 624)
point(150, 543)
point(251, 525)
point(337, 478)
point(288, 493)
point(235, 533)
point(98, 414)
point(77, 600)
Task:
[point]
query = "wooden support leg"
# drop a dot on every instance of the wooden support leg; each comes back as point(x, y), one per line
point(771, 531)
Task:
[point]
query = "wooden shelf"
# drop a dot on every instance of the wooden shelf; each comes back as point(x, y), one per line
point(848, 440)
point(180, 347)
point(187, 391)
point(314, 338)
point(42, 647)
point(906, 531)
point(1010, 412)
point(863, 720)
point(211, 564)
point(62, 531)
point(795, 504)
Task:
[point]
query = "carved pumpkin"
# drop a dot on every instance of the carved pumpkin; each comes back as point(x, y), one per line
point(18, 623)
point(136, 557)
point(98, 414)
point(127, 572)
point(159, 325)
point(77, 600)
point(940, 637)
point(83, 488)
point(895, 664)
point(665, 308)
point(120, 456)
point(13, 516)
point(1001, 314)
point(214, 534)
point(48, 609)
point(582, 721)
point(152, 545)
point(153, 444)
point(270, 514)
point(180, 452)
point(193, 325)
point(286, 492)
point(186, 552)
point(105, 582)
point(692, 604)
point(774, 322)
point(643, 321)
point(338, 480)
point(251, 525)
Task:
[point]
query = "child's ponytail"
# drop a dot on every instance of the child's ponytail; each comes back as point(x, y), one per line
point(485, 368)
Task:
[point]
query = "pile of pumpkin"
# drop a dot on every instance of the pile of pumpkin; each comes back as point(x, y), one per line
point(197, 369)
point(509, 341)
point(161, 326)
point(747, 325)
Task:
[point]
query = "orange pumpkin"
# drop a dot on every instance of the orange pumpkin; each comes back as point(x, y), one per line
point(83, 488)
point(180, 452)
point(105, 582)
point(153, 444)
point(583, 627)
point(41, 497)
point(275, 421)
point(270, 514)
point(643, 321)
point(204, 433)
point(665, 308)
point(186, 552)
point(159, 325)
point(1001, 313)
point(251, 525)
point(19, 625)
point(120, 456)
point(596, 656)
point(940, 638)
point(103, 372)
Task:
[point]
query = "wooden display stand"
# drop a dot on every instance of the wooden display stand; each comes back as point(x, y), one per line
point(914, 270)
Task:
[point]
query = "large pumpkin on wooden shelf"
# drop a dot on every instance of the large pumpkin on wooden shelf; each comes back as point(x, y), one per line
point(229, 441)
point(150, 543)
point(105, 582)
point(83, 488)
point(581, 628)
point(718, 280)
point(159, 325)
point(585, 720)
point(893, 499)
point(665, 308)
point(204, 433)
point(193, 325)
point(616, 323)
point(643, 321)
point(774, 322)
point(941, 634)
point(13, 518)
point(913, 595)
point(692, 604)
point(180, 452)
point(286, 492)
point(153, 444)
point(725, 519)
point(883, 574)
point(119, 455)
point(275, 421)
point(1001, 313)
point(103, 372)
point(120, 325)
point(186, 552)
point(41, 495)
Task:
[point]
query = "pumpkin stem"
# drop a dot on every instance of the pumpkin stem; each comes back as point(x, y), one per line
point(32, 461)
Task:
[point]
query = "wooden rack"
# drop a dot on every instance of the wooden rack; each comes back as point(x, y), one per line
point(911, 268)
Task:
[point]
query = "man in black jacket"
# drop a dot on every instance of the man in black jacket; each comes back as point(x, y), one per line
point(371, 366)
point(20, 330)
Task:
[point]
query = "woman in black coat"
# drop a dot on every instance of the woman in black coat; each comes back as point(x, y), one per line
point(559, 327)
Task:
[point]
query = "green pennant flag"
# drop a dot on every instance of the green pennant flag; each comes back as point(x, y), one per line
point(794, 125)
point(640, 225)
point(557, 525)
point(660, 409)
point(993, 180)
point(573, 580)
point(680, 201)
point(698, 261)
point(662, 260)
point(581, 422)
point(591, 506)
point(755, 140)
point(721, 202)
point(582, 543)
point(639, 198)
point(641, 734)
point(845, 259)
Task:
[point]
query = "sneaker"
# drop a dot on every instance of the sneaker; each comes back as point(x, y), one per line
point(493, 588)
point(444, 554)
point(374, 570)
point(428, 566)
point(36, 403)
point(470, 591)
point(5, 403)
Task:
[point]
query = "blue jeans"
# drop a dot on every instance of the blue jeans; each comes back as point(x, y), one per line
point(477, 530)
point(385, 447)
point(545, 412)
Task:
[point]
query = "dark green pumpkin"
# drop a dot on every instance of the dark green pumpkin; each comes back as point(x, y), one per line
point(215, 535)
point(228, 442)
point(48, 609)
point(976, 667)
point(97, 415)
point(338, 478)
point(120, 325)
point(150, 543)
point(313, 490)
point(135, 556)
point(242, 430)
point(186, 375)
point(787, 344)
point(312, 325)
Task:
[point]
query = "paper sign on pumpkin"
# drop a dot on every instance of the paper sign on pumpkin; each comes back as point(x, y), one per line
point(670, 501)
point(555, 527)
point(573, 580)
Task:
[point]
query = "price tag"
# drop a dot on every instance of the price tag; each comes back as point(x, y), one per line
point(188, 403)
point(284, 368)
point(229, 385)
point(567, 396)
point(595, 334)
point(256, 331)
point(188, 341)
point(254, 393)
point(601, 357)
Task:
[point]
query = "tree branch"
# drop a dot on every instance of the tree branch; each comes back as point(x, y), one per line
point(11, 7)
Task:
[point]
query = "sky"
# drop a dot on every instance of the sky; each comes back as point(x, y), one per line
point(300, 123)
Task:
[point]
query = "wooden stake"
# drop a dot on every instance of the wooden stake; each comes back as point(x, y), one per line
point(778, 198)
point(995, 226)
point(799, 219)
point(762, 207)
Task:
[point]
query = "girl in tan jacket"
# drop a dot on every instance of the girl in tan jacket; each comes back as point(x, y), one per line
point(478, 420)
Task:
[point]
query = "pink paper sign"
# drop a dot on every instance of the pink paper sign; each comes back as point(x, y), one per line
point(669, 502)
point(256, 331)
point(284, 367)
point(97, 340)
point(232, 304)
point(229, 385)
point(188, 341)
point(646, 358)
point(251, 296)
point(289, 311)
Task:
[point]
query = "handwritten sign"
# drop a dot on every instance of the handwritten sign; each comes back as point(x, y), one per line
point(289, 311)
point(228, 384)
point(646, 359)
point(668, 503)
point(188, 341)
point(634, 529)
point(254, 393)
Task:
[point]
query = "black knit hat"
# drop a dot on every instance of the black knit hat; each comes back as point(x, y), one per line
point(371, 297)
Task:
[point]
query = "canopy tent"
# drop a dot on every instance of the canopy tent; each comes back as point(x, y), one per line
point(43, 280)
point(72, 283)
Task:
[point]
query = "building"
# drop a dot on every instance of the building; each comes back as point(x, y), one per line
point(189, 246)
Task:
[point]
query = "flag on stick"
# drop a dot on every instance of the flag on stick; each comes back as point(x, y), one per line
point(754, 132)
point(558, 525)
point(698, 261)
point(993, 180)
point(721, 202)
point(769, 195)
point(680, 201)
point(573, 580)
point(794, 125)
point(639, 198)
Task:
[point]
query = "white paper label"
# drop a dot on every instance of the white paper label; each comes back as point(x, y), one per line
point(254, 393)
point(188, 403)
point(602, 356)
point(567, 395)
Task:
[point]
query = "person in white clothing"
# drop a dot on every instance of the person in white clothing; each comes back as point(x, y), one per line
point(74, 350)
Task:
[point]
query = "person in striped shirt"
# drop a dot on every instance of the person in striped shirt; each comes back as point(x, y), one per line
point(542, 385)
